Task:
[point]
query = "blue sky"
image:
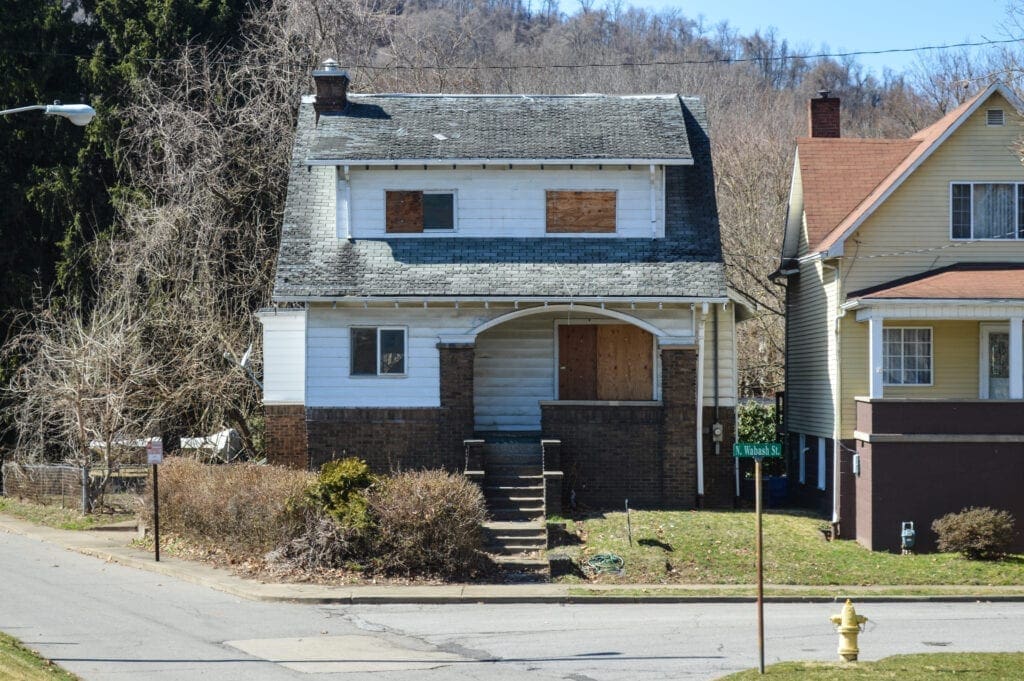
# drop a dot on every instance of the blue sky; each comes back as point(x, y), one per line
point(847, 25)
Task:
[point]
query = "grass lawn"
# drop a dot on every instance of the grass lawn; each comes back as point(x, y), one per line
point(967, 666)
point(55, 516)
point(18, 663)
point(717, 547)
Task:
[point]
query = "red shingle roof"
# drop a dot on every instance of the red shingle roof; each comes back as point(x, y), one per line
point(844, 178)
point(963, 281)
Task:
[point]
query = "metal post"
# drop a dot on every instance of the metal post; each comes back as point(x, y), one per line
point(85, 488)
point(760, 567)
point(156, 514)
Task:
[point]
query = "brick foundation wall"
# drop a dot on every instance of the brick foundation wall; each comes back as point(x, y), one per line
point(646, 453)
point(391, 439)
point(719, 469)
point(286, 435)
point(608, 453)
point(679, 423)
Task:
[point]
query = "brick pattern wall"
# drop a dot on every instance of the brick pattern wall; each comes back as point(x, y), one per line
point(719, 469)
point(644, 453)
point(391, 439)
point(286, 435)
point(679, 414)
point(608, 453)
point(823, 117)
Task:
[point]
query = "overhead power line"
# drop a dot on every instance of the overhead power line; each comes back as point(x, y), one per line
point(630, 64)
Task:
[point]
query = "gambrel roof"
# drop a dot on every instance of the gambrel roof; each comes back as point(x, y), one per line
point(314, 263)
point(495, 128)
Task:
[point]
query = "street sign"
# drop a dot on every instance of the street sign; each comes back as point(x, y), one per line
point(154, 452)
point(750, 450)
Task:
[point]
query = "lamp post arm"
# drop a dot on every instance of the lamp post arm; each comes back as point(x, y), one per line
point(34, 107)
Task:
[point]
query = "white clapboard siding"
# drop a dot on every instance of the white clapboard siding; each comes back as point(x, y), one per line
point(284, 356)
point(328, 380)
point(726, 359)
point(514, 365)
point(497, 202)
point(514, 371)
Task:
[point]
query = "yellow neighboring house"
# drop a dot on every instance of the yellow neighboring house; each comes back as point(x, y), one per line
point(903, 262)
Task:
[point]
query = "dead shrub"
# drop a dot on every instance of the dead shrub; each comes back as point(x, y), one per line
point(427, 523)
point(245, 508)
point(322, 545)
point(979, 533)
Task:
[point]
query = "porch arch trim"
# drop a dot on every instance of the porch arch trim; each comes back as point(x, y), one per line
point(562, 307)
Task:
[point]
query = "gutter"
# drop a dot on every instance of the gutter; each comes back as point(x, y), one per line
point(621, 300)
point(444, 162)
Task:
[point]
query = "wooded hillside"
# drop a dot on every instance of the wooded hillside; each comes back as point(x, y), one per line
point(153, 232)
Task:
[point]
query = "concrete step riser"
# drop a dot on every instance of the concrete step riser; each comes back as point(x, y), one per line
point(498, 499)
point(516, 516)
point(509, 472)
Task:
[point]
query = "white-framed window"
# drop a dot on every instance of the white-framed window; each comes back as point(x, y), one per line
point(986, 210)
point(377, 350)
point(802, 445)
point(907, 355)
point(995, 117)
point(821, 463)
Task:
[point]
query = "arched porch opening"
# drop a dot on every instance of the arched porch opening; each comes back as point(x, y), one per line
point(564, 353)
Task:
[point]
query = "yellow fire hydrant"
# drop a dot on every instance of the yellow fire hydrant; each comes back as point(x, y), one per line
point(849, 623)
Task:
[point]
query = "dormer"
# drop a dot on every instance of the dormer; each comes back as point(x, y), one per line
point(511, 166)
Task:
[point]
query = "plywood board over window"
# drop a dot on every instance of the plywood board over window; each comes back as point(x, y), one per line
point(605, 362)
point(580, 211)
point(404, 212)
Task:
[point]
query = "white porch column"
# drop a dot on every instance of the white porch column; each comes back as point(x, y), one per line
point(1016, 358)
point(875, 363)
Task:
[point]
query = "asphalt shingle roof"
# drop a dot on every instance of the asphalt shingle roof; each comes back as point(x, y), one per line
point(687, 262)
point(453, 127)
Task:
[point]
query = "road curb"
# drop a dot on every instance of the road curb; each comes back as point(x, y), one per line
point(220, 579)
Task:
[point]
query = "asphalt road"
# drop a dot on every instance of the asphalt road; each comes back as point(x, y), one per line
point(104, 621)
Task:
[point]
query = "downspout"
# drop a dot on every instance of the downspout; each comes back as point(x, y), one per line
point(700, 405)
point(714, 361)
point(837, 407)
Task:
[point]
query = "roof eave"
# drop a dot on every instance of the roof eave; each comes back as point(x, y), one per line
point(496, 161)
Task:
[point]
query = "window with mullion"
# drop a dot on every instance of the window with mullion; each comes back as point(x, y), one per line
point(907, 356)
point(377, 351)
point(986, 210)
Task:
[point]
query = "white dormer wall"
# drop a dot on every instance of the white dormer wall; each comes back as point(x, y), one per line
point(501, 202)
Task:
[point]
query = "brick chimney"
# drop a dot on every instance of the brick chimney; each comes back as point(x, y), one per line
point(331, 88)
point(823, 115)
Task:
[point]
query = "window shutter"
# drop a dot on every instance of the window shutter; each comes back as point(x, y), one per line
point(403, 212)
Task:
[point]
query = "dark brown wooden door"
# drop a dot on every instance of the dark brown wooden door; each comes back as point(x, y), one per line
point(577, 362)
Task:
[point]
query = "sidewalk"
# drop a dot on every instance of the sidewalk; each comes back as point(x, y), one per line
point(112, 546)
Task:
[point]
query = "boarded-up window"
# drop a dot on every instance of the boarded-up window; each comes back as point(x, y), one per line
point(605, 362)
point(580, 212)
point(404, 212)
point(409, 212)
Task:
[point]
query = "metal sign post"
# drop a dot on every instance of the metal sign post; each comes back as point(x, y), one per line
point(758, 451)
point(155, 456)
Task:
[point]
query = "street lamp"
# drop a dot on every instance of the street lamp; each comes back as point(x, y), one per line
point(79, 114)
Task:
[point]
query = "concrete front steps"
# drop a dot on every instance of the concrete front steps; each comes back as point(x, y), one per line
point(514, 490)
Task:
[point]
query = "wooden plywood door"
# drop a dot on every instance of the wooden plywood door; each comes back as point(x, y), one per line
point(624, 363)
point(577, 362)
